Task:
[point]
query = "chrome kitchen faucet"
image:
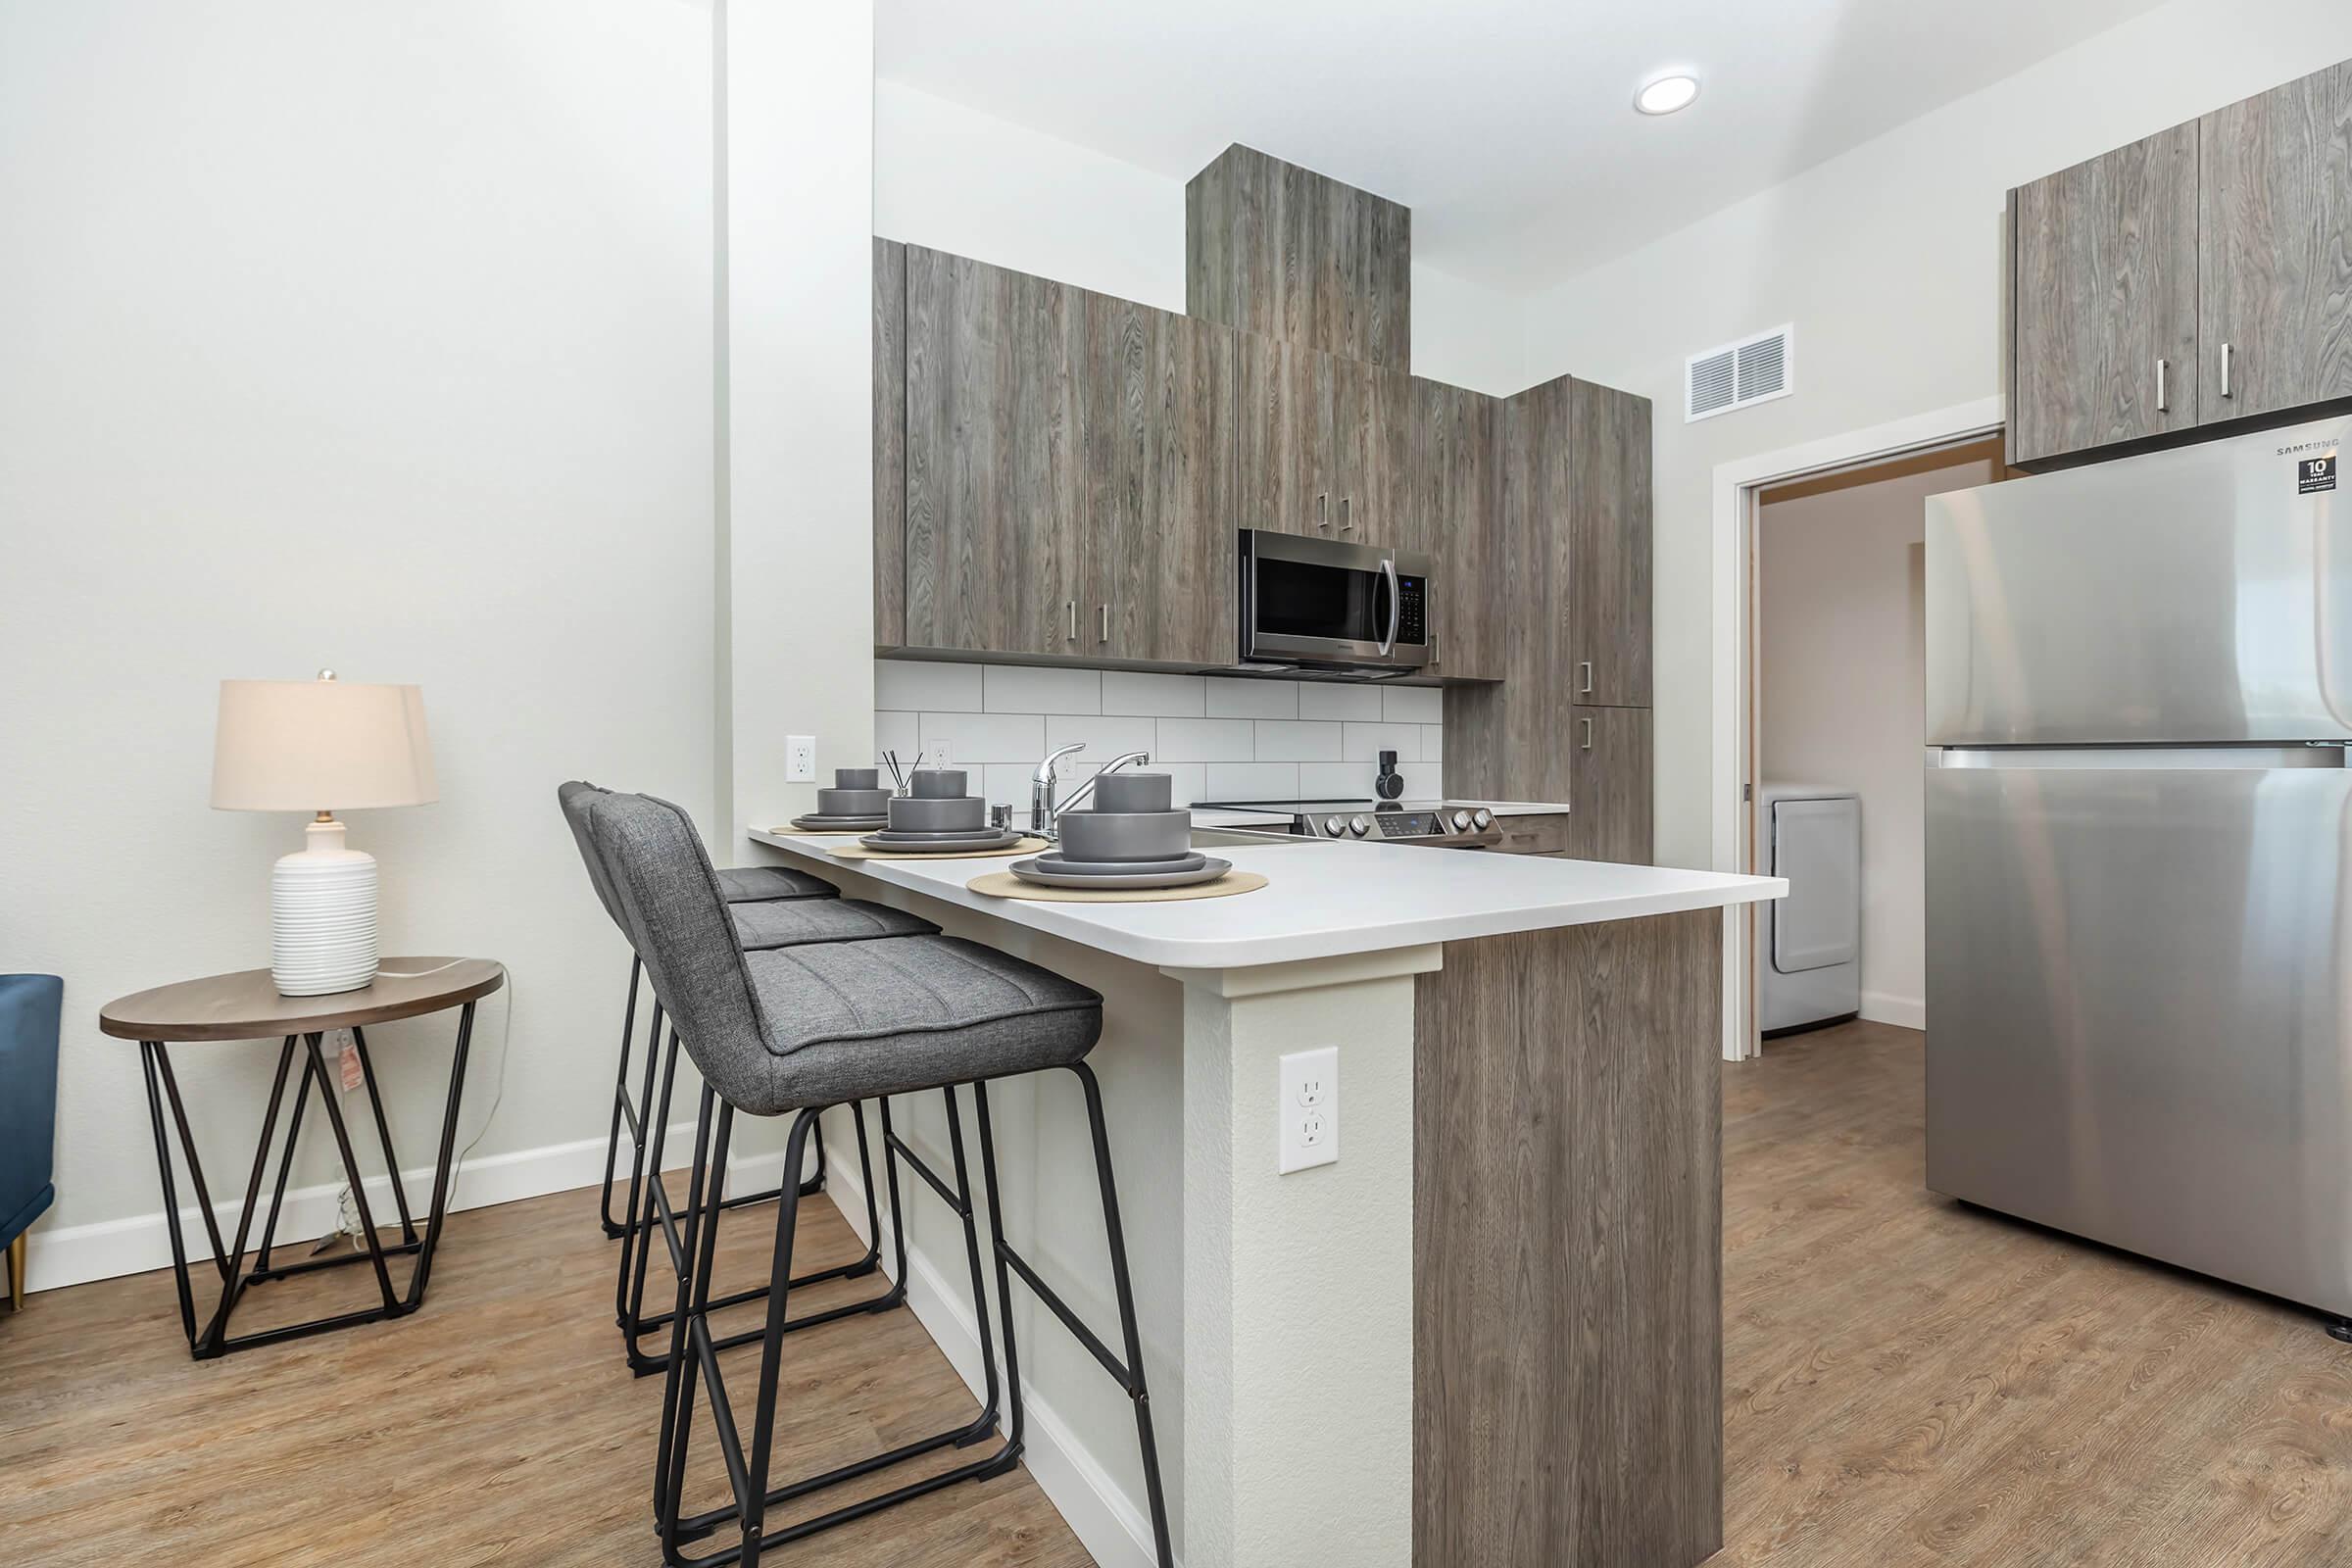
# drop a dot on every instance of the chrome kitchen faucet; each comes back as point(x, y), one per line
point(1043, 809)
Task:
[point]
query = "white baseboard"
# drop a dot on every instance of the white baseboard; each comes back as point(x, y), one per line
point(1105, 1520)
point(1908, 1012)
point(73, 1254)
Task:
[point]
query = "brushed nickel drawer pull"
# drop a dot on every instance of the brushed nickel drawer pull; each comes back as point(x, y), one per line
point(1072, 606)
point(1106, 637)
point(2164, 399)
point(2228, 351)
point(1346, 504)
point(1588, 728)
point(1586, 690)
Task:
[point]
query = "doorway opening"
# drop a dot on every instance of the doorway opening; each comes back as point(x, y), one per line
point(1818, 735)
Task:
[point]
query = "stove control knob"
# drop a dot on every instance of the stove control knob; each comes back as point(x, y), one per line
point(1358, 826)
point(1334, 826)
point(1462, 821)
point(1483, 819)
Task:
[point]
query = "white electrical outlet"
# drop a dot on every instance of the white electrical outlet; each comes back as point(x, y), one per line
point(799, 758)
point(1309, 1109)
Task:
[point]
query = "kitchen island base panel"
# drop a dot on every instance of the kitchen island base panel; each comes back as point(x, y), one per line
point(1568, 1366)
point(1297, 1288)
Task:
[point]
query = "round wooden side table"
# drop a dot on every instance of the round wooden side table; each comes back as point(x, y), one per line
point(246, 1006)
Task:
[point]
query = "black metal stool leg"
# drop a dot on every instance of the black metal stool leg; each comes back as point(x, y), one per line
point(620, 1092)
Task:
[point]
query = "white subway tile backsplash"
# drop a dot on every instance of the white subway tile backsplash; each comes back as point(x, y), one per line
point(1331, 700)
point(1154, 696)
point(1253, 781)
point(1405, 705)
point(1248, 697)
point(1291, 740)
point(921, 686)
point(1103, 738)
point(900, 733)
point(1363, 743)
point(1336, 780)
point(974, 739)
point(1038, 689)
point(1207, 740)
point(1216, 737)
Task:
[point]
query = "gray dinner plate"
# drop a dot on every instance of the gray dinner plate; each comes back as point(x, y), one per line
point(1214, 868)
point(941, 842)
point(818, 822)
point(1055, 862)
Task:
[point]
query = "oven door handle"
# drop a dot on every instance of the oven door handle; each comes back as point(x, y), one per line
point(1387, 570)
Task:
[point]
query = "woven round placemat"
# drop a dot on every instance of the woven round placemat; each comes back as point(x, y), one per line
point(1004, 885)
point(859, 852)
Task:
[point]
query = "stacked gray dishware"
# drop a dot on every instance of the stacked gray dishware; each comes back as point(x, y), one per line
point(937, 818)
point(856, 804)
point(1130, 836)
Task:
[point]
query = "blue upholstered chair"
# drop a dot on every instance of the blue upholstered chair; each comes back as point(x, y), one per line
point(29, 1012)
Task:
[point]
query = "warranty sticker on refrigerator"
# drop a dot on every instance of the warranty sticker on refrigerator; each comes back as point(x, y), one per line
point(2315, 474)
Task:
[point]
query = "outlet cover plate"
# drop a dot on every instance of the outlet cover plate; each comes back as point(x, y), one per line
point(1308, 1114)
point(799, 758)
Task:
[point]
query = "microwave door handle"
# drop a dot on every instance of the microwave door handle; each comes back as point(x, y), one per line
point(1387, 570)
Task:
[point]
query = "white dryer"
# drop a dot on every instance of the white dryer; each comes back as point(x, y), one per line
point(1811, 963)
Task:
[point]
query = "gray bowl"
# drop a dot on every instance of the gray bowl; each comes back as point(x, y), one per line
point(1134, 792)
point(846, 801)
point(857, 778)
point(1125, 835)
point(937, 783)
point(967, 814)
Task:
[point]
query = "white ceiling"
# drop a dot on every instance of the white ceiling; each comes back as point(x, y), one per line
point(1507, 125)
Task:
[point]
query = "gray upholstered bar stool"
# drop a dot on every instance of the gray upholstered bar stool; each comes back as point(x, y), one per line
point(793, 1031)
point(769, 906)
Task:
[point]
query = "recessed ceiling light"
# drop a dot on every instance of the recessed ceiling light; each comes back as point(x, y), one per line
point(1666, 95)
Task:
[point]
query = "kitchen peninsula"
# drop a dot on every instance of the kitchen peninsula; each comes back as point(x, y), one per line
point(1491, 1331)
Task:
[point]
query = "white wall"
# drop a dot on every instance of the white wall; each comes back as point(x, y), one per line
point(958, 179)
point(371, 336)
point(1842, 660)
point(1888, 259)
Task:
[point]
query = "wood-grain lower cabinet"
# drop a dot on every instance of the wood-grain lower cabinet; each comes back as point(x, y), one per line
point(1609, 766)
point(1452, 519)
point(2104, 280)
point(2275, 228)
point(1609, 521)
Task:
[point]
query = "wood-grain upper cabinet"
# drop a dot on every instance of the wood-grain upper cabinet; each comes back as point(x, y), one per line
point(1068, 469)
point(1453, 517)
point(1608, 519)
point(997, 466)
point(2274, 312)
point(890, 443)
point(1160, 555)
point(1611, 806)
point(1284, 252)
point(1324, 445)
point(2104, 280)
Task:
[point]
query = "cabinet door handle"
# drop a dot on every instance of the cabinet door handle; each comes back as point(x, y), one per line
point(1323, 512)
point(2228, 351)
point(2164, 398)
point(1346, 503)
point(1586, 725)
point(1072, 606)
point(1106, 637)
point(1584, 676)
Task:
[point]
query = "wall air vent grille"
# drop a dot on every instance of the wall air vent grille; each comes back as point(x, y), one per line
point(1754, 369)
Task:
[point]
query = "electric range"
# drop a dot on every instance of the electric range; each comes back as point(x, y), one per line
point(1431, 824)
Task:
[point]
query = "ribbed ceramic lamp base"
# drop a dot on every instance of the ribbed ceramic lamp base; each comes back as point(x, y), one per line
point(323, 918)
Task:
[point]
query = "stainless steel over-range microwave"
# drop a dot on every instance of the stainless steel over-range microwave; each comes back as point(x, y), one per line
point(1322, 605)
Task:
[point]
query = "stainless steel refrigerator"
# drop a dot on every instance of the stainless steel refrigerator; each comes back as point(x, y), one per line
point(2139, 857)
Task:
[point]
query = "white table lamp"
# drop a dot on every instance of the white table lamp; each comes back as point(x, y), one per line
point(320, 746)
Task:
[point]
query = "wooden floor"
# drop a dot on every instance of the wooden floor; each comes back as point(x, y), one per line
point(1906, 1382)
point(497, 1425)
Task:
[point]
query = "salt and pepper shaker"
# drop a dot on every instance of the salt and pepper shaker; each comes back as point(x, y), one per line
point(1000, 817)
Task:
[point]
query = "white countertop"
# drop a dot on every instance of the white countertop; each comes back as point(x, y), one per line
point(1325, 898)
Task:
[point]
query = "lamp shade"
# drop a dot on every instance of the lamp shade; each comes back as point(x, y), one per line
point(319, 746)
